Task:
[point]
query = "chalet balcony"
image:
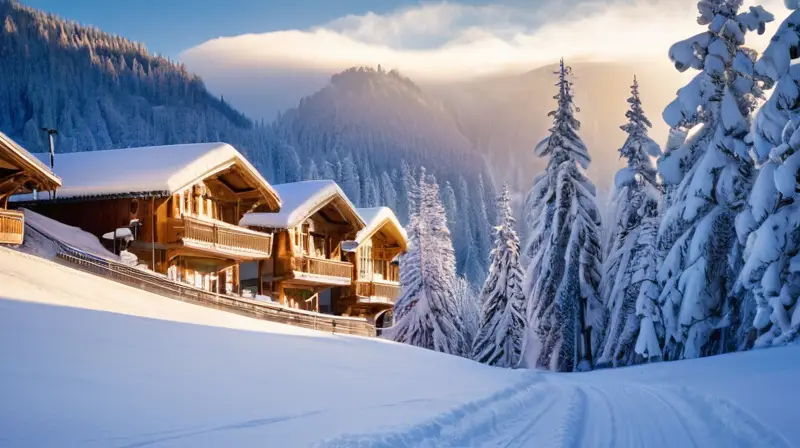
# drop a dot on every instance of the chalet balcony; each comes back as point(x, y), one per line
point(377, 291)
point(220, 237)
point(12, 227)
point(325, 270)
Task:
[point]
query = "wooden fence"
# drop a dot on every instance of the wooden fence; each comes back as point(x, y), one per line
point(150, 282)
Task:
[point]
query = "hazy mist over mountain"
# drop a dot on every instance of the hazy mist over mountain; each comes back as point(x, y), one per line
point(489, 65)
point(503, 116)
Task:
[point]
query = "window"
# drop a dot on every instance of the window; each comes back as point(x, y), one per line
point(187, 203)
point(196, 201)
point(319, 246)
point(304, 240)
point(365, 261)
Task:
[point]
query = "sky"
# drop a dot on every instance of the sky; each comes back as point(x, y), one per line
point(169, 27)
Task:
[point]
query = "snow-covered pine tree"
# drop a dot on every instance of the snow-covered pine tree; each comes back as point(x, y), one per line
point(772, 268)
point(708, 177)
point(502, 324)
point(637, 195)
point(468, 310)
point(651, 325)
point(562, 251)
point(770, 226)
point(425, 313)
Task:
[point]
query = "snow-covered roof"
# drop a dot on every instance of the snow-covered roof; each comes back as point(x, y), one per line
point(20, 158)
point(375, 217)
point(299, 201)
point(151, 170)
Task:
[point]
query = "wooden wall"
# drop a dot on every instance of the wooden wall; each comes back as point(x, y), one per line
point(103, 216)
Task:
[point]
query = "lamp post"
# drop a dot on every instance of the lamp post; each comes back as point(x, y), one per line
point(50, 135)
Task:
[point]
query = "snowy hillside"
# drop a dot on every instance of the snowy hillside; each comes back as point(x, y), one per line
point(156, 372)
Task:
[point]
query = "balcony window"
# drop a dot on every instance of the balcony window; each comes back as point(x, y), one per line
point(187, 203)
point(319, 246)
point(365, 265)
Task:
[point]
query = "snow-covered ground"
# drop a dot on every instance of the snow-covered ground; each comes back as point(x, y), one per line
point(87, 362)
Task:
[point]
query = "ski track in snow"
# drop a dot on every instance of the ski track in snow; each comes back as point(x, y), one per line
point(552, 411)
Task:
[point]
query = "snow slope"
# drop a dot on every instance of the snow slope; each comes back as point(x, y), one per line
point(74, 375)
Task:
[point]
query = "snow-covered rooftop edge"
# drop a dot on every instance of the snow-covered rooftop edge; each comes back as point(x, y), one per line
point(29, 158)
point(148, 170)
point(374, 217)
point(300, 200)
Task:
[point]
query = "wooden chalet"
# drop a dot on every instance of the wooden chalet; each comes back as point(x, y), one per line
point(308, 268)
point(20, 173)
point(374, 253)
point(177, 205)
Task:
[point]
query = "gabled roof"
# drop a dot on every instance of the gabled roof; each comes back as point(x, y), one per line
point(14, 158)
point(300, 201)
point(378, 217)
point(145, 171)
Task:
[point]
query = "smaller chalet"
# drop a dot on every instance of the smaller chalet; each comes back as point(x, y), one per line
point(374, 254)
point(20, 173)
point(176, 207)
point(308, 269)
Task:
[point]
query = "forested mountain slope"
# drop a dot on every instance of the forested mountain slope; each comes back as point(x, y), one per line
point(360, 127)
point(99, 90)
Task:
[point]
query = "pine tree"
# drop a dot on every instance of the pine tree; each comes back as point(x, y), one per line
point(388, 192)
point(425, 312)
point(312, 173)
point(502, 325)
point(468, 311)
point(770, 226)
point(648, 309)
point(637, 197)
point(481, 233)
point(708, 177)
point(562, 252)
point(349, 180)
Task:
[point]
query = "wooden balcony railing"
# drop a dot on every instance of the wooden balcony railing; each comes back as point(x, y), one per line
point(223, 236)
point(322, 266)
point(382, 290)
point(12, 227)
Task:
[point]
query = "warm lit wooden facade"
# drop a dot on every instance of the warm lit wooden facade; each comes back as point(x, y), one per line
point(185, 230)
point(20, 173)
point(376, 279)
point(308, 268)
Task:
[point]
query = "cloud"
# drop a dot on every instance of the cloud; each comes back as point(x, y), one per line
point(442, 41)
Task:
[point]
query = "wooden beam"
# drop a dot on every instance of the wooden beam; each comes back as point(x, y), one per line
point(261, 277)
point(11, 184)
point(236, 279)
